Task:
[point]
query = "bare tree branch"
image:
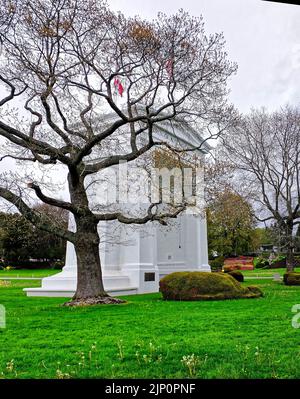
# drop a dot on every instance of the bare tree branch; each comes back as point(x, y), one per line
point(35, 218)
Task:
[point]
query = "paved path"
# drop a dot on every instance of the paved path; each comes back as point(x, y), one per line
point(21, 278)
point(259, 278)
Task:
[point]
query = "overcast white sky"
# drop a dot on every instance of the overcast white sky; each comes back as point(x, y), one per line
point(262, 37)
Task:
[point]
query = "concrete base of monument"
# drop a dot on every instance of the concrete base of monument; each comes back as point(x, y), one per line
point(134, 279)
point(64, 285)
point(65, 293)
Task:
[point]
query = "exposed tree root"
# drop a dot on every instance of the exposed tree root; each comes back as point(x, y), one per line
point(102, 300)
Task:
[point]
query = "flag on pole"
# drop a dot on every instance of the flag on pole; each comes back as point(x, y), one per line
point(169, 67)
point(119, 87)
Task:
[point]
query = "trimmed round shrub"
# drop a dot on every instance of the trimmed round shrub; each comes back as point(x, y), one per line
point(197, 286)
point(237, 275)
point(291, 278)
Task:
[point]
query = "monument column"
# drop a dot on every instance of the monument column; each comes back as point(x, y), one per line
point(138, 258)
point(203, 245)
point(70, 267)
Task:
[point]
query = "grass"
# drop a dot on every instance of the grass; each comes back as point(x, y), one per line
point(265, 272)
point(151, 338)
point(28, 273)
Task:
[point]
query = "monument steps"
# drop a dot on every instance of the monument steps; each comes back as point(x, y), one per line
point(42, 292)
point(64, 285)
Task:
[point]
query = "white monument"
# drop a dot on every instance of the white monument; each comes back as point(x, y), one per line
point(134, 258)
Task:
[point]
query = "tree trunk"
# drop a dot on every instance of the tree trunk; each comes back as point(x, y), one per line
point(89, 275)
point(90, 288)
point(290, 260)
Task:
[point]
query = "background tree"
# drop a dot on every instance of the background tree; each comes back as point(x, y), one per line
point(69, 63)
point(218, 176)
point(231, 222)
point(21, 241)
point(262, 236)
point(15, 237)
point(265, 149)
point(297, 239)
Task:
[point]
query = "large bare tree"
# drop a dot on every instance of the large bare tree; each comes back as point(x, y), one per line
point(265, 149)
point(65, 64)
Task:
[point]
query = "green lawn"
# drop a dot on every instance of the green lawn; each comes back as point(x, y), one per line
point(147, 337)
point(265, 272)
point(28, 273)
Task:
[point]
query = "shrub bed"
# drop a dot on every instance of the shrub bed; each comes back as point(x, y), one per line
point(291, 278)
point(195, 286)
point(260, 263)
point(230, 268)
point(277, 263)
point(32, 264)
